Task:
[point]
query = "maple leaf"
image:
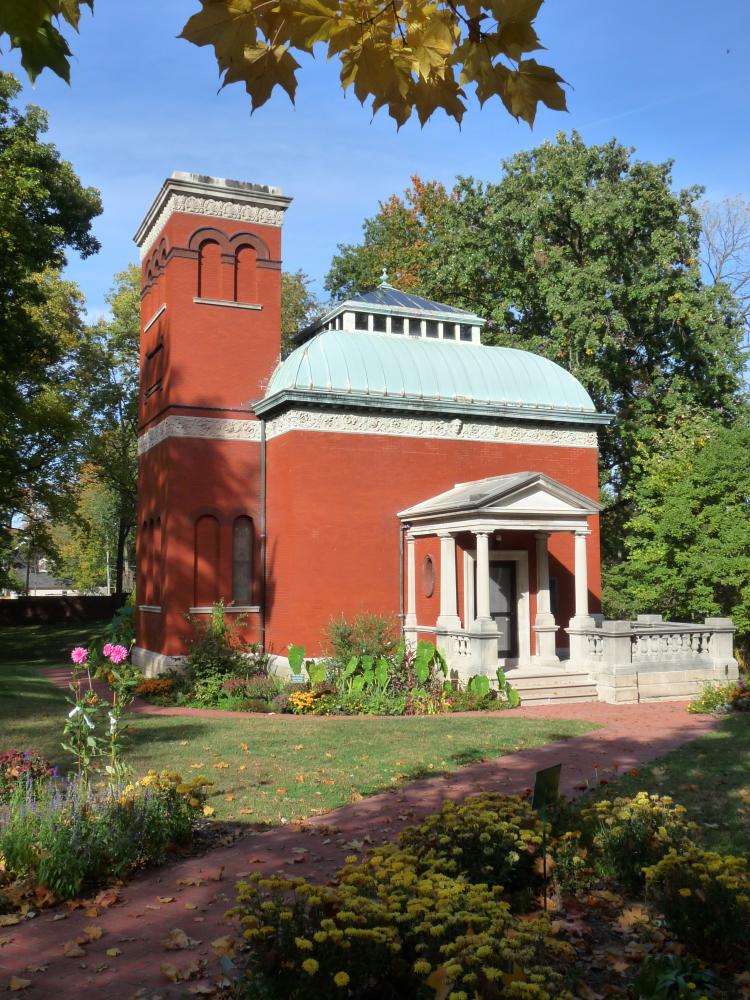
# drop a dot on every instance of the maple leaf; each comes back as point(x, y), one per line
point(178, 940)
point(228, 25)
point(71, 949)
point(531, 83)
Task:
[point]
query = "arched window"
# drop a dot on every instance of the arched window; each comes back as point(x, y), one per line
point(245, 288)
point(242, 561)
point(206, 586)
point(209, 271)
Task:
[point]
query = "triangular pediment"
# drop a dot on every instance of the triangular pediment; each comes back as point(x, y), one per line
point(518, 493)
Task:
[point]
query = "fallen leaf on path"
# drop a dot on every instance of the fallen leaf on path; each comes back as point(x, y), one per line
point(9, 920)
point(113, 952)
point(92, 932)
point(71, 949)
point(178, 940)
point(17, 984)
point(223, 945)
point(218, 875)
point(6, 940)
point(202, 990)
point(165, 899)
point(190, 881)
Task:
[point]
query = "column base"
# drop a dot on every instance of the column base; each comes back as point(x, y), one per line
point(580, 626)
point(545, 629)
point(449, 623)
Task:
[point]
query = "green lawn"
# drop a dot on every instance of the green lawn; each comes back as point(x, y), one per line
point(709, 776)
point(291, 767)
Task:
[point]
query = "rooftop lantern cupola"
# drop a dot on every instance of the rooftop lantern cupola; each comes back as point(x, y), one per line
point(388, 310)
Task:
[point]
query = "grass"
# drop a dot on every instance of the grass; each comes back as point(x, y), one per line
point(267, 770)
point(710, 776)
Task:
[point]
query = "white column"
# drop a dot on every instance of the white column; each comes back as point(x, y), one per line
point(483, 575)
point(582, 574)
point(545, 627)
point(448, 618)
point(410, 621)
point(582, 623)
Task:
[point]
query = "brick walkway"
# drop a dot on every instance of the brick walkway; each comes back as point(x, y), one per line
point(196, 893)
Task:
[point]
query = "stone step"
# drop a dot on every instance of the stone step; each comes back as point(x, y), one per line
point(561, 696)
point(528, 681)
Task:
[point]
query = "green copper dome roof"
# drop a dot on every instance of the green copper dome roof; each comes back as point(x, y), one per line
point(387, 371)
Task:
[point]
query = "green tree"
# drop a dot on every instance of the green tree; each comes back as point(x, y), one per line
point(299, 307)
point(687, 539)
point(86, 543)
point(582, 254)
point(106, 374)
point(405, 55)
point(44, 210)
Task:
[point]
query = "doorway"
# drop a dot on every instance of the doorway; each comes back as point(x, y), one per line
point(503, 607)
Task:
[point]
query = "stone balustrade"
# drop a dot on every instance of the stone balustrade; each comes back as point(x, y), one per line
point(649, 658)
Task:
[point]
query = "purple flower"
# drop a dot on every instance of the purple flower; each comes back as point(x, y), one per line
point(79, 655)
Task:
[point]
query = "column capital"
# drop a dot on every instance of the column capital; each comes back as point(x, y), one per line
point(444, 533)
point(582, 532)
point(484, 532)
point(410, 537)
point(539, 535)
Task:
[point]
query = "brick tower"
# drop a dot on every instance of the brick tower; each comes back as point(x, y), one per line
point(210, 339)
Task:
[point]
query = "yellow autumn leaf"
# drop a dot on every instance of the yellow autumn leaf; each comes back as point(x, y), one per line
point(208, 810)
point(16, 984)
point(113, 952)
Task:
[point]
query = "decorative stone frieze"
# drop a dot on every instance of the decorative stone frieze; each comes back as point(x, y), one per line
point(214, 428)
point(444, 428)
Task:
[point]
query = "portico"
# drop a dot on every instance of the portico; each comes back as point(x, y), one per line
point(495, 595)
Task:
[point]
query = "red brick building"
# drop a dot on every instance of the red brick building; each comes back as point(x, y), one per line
point(390, 464)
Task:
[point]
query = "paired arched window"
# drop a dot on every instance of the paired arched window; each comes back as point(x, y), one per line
point(242, 561)
point(209, 585)
point(209, 271)
point(245, 275)
point(206, 574)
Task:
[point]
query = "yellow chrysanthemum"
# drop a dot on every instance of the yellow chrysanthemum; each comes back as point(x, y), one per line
point(310, 966)
point(341, 979)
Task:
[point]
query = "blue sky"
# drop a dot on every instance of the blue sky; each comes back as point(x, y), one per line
point(670, 77)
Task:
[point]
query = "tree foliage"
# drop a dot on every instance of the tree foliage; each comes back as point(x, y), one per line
point(726, 249)
point(106, 374)
point(687, 539)
point(44, 211)
point(299, 307)
point(582, 254)
point(85, 545)
point(405, 55)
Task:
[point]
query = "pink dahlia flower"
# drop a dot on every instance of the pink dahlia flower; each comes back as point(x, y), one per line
point(108, 648)
point(118, 654)
point(79, 655)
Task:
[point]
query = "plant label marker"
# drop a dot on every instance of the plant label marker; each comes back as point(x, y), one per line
point(546, 793)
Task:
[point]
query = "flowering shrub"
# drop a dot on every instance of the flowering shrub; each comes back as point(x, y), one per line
point(487, 838)
point(630, 833)
point(705, 898)
point(21, 767)
point(69, 838)
point(388, 931)
point(739, 699)
point(155, 687)
point(303, 702)
point(713, 697)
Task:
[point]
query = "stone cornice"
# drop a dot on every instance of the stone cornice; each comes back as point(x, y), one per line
point(212, 428)
point(425, 426)
point(213, 197)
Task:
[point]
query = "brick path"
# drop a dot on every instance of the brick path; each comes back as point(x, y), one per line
point(630, 735)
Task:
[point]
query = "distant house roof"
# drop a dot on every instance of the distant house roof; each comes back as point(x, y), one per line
point(382, 371)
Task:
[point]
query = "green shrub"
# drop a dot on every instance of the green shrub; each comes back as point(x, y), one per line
point(488, 838)
point(217, 650)
point(208, 689)
point(672, 977)
point(705, 899)
point(630, 833)
point(67, 837)
point(264, 687)
point(365, 635)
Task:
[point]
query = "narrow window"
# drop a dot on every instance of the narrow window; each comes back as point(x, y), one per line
point(209, 271)
point(414, 327)
point(397, 324)
point(432, 328)
point(465, 332)
point(245, 286)
point(378, 322)
point(242, 561)
point(361, 321)
point(206, 579)
point(156, 563)
point(449, 331)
